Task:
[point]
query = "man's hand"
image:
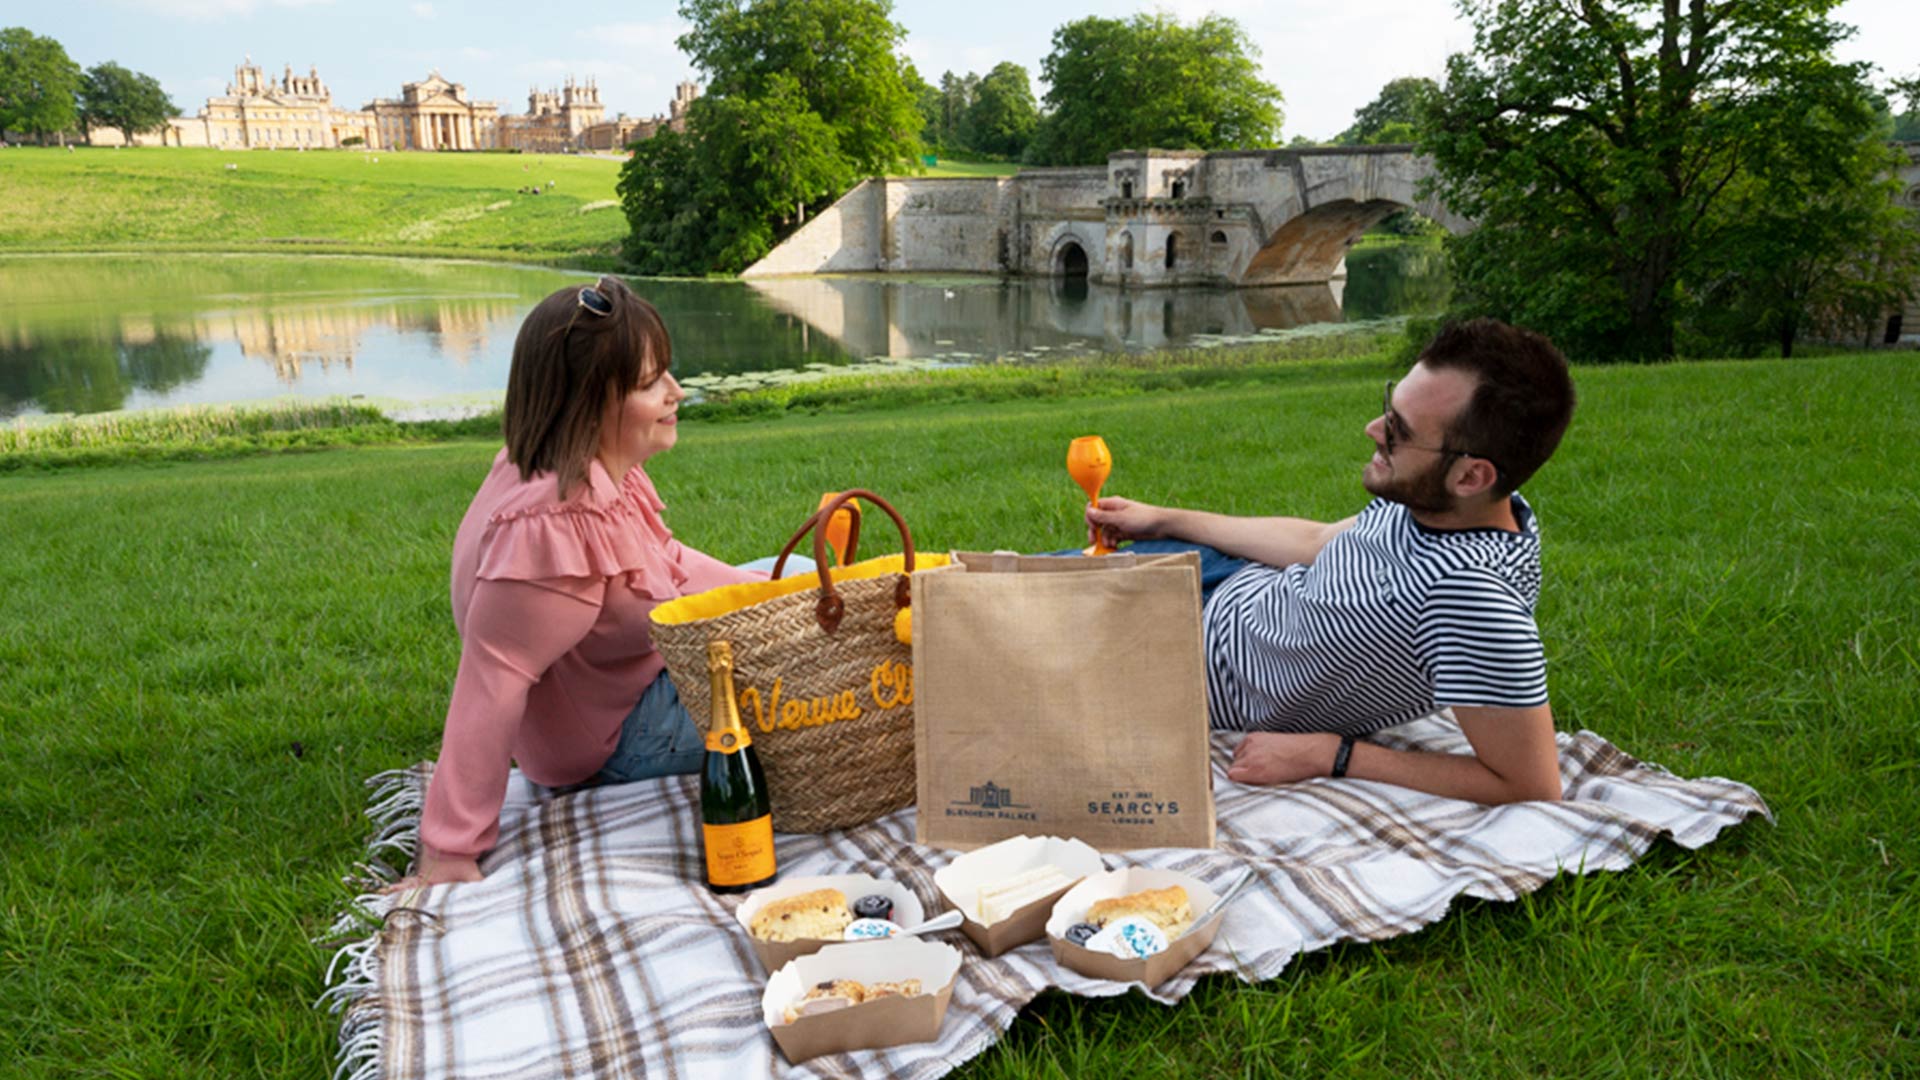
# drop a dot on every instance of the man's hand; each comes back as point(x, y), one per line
point(1272, 757)
point(436, 868)
point(1114, 520)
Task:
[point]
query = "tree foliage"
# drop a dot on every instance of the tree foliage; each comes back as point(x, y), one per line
point(1003, 114)
point(1828, 248)
point(1906, 125)
point(1393, 116)
point(113, 97)
point(803, 98)
point(1151, 81)
point(38, 84)
point(1603, 148)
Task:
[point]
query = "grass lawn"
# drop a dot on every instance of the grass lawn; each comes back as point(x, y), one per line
point(383, 202)
point(200, 661)
point(973, 168)
point(391, 202)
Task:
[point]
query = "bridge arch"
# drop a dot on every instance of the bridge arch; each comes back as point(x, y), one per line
point(1065, 238)
point(1336, 196)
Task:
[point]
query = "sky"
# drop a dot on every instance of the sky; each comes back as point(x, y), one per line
point(1328, 57)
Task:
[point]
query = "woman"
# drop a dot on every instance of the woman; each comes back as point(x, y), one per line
point(559, 560)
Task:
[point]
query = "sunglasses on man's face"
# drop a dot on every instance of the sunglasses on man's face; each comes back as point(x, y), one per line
point(1391, 422)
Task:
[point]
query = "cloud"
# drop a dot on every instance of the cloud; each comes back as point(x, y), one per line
point(423, 11)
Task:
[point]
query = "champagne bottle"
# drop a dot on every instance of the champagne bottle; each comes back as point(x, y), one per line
point(736, 816)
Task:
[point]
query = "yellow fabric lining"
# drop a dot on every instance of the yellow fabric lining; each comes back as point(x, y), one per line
point(726, 598)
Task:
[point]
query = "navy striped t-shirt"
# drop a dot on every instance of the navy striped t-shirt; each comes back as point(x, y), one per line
point(1391, 621)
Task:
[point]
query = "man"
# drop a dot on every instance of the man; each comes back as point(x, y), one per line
point(1320, 634)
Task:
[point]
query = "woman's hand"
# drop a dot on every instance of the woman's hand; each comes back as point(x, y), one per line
point(1113, 520)
point(436, 868)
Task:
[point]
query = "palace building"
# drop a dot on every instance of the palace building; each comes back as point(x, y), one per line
point(292, 112)
point(434, 114)
point(296, 112)
point(554, 120)
point(620, 132)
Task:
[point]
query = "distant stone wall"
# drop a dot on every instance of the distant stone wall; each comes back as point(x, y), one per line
point(947, 225)
point(847, 237)
point(911, 224)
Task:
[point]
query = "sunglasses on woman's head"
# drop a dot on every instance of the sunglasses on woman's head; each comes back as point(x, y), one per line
point(594, 301)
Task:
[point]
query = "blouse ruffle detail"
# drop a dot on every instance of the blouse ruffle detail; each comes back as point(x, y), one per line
point(601, 532)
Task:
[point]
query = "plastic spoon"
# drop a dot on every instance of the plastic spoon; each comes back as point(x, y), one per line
point(1232, 891)
point(939, 922)
point(872, 929)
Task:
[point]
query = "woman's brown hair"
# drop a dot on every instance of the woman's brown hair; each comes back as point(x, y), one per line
point(578, 350)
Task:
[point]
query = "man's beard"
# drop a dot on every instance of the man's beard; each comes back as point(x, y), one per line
point(1424, 491)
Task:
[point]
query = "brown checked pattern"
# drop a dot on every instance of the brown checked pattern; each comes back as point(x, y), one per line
point(592, 950)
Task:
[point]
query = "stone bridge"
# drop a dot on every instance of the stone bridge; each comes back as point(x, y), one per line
point(1147, 218)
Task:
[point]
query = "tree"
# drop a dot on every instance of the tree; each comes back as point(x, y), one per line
point(1393, 116)
point(1003, 114)
point(37, 84)
point(1150, 81)
point(803, 98)
point(838, 55)
point(1827, 248)
point(1597, 143)
point(1906, 126)
point(113, 97)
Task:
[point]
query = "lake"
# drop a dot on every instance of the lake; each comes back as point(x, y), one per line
point(96, 333)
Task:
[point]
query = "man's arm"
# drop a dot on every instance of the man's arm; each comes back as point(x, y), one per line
point(1514, 758)
point(1275, 541)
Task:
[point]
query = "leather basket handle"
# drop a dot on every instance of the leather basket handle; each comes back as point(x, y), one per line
point(830, 609)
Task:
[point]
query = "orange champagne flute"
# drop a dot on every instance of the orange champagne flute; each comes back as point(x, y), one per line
point(838, 526)
point(1089, 462)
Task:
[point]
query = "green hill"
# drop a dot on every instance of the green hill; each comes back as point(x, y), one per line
point(385, 202)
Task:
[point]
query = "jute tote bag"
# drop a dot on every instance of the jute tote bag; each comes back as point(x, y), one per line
point(1062, 696)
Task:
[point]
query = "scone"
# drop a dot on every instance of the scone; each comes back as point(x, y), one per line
point(1168, 908)
point(827, 997)
point(818, 915)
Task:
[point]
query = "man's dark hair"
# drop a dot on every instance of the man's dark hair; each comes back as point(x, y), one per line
point(1522, 400)
point(568, 364)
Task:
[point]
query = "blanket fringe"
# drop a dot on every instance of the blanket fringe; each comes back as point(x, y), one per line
point(394, 804)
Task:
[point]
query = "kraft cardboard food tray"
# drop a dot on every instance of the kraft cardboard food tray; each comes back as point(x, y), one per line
point(891, 1021)
point(906, 910)
point(1149, 971)
point(961, 880)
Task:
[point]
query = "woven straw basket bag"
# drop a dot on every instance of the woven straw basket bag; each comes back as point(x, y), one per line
point(824, 683)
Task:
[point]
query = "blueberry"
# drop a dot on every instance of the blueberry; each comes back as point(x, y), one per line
point(1078, 933)
point(873, 907)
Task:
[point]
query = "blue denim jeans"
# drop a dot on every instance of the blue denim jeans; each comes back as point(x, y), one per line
point(1215, 566)
point(658, 738)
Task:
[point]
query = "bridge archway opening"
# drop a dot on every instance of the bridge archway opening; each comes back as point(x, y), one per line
point(1173, 245)
point(1071, 261)
point(1309, 248)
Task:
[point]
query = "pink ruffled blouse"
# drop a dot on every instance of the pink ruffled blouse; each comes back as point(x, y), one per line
point(551, 600)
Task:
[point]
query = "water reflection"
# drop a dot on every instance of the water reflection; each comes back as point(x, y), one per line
point(93, 333)
point(882, 316)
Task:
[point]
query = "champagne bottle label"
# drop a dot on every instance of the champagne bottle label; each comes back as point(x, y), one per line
point(740, 854)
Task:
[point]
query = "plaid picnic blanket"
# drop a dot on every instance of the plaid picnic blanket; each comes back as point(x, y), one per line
point(591, 949)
